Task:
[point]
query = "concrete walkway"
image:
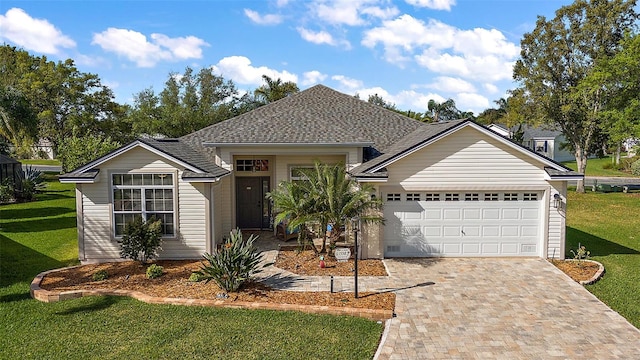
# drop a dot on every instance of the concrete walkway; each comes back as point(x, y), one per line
point(483, 308)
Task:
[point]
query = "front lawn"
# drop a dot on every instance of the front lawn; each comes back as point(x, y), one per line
point(608, 225)
point(41, 235)
point(596, 167)
point(40, 162)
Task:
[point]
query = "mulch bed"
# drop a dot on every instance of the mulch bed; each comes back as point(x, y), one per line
point(307, 262)
point(578, 271)
point(174, 283)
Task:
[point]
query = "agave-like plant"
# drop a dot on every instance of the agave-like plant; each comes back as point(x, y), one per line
point(233, 264)
point(31, 183)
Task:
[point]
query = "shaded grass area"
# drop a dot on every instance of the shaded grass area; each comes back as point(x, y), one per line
point(609, 226)
point(595, 167)
point(41, 235)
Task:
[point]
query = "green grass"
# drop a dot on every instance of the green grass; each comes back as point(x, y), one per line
point(609, 226)
point(40, 162)
point(41, 235)
point(595, 168)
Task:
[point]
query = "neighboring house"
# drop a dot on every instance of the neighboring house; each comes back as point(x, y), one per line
point(546, 142)
point(449, 189)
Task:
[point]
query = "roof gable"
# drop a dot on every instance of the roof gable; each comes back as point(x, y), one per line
point(431, 133)
point(316, 116)
point(197, 166)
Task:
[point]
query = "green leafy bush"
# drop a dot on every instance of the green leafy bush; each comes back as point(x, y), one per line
point(7, 193)
point(195, 277)
point(233, 264)
point(100, 275)
point(635, 168)
point(141, 240)
point(154, 271)
point(580, 254)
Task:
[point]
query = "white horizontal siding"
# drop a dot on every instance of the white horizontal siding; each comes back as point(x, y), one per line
point(99, 242)
point(466, 159)
point(557, 229)
point(350, 155)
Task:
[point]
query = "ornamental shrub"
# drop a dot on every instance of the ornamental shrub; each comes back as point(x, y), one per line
point(635, 168)
point(141, 239)
point(100, 275)
point(233, 264)
point(154, 271)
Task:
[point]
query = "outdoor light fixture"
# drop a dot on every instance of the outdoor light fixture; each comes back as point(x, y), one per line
point(557, 200)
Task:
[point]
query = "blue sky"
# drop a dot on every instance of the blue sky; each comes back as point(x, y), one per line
point(406, 51)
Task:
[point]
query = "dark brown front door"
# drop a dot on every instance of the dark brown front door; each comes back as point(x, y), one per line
point(252, 210)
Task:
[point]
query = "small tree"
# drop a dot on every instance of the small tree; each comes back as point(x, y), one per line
point(76, 151)
point(233, 264)
point(141, 240)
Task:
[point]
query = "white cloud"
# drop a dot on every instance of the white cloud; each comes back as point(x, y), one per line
point(313, 77)
point(320, 37)
point(240, 70)
point(136, 47)
point(492, 89)
point(480, 54)
point(281, 3)
point(433, 4)
point(350, 12)
point(472, 102)
point(347, 82)
point(267, 19)
point(33, 34)
point(451, 85)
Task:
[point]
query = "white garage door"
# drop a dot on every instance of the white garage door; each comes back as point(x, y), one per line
point(463, 223)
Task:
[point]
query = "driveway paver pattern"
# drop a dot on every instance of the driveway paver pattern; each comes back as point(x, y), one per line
point(480, 308)
point(483, 308)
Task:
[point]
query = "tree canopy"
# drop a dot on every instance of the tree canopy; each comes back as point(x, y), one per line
point(559, 56)
point(273, 90)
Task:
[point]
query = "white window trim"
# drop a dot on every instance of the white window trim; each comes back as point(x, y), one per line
point(142, 188)
point(295, 167)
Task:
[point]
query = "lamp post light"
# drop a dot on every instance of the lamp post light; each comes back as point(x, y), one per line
point(355, 224)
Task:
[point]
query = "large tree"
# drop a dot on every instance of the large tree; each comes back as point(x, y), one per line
point(557, 57)
point(64, 99)
point(18, 123)
point(274, 89)
point(443, 111)
point(188, 102)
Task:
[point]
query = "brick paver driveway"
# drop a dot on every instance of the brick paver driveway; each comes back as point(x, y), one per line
point(499, 309)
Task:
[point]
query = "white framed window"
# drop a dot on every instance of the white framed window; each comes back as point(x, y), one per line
point(529, 196)
point(490, 197)
point(144, 195)
point(432, 197)
point(393, 197)
point(510, 196)
point(451, 197)
point(297, 173)
point(471, 197)
point(413, 197)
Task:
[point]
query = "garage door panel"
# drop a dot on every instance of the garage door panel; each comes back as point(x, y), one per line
point(530, 214)
point(508, 231)
point(491, 214)
point(477, 224)
point(510, 214)
point(509, 249)
point(471, 249)
point(471, 214)
point(452, 214)
point(490, 231)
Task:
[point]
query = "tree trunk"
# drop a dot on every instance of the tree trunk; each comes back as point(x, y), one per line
point(581, 161)
point(618, 150)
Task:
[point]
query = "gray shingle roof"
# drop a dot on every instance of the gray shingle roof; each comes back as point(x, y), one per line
point(318, 115)
point(183, 151)
point(415, 138)
point(8, 160)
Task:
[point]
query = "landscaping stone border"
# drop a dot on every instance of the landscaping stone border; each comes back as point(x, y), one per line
point(596, 276)
point(53, 296)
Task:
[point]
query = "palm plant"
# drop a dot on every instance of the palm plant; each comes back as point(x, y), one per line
point(274, 90)
point(327, 196)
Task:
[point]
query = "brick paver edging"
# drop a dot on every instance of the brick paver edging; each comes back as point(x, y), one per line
point(52, 296)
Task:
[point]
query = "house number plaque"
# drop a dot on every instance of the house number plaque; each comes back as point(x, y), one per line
point(342, 254)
